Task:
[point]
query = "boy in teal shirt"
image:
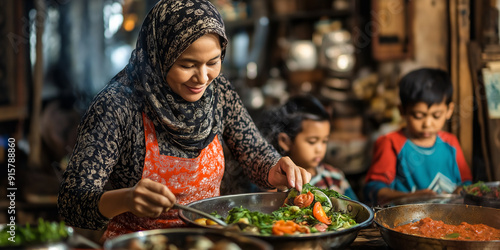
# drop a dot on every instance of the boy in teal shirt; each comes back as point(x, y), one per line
point(420, 158)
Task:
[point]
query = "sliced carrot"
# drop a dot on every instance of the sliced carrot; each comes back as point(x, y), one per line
point(282, 227)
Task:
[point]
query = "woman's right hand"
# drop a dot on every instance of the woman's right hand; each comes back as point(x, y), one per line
point(149, 198)
point(146, 199)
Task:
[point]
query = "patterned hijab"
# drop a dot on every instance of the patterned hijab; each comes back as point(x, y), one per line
point(168, 30)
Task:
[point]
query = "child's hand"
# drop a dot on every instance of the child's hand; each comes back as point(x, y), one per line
point(458, 190)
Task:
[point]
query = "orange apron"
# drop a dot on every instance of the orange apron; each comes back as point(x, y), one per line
point(189, 179)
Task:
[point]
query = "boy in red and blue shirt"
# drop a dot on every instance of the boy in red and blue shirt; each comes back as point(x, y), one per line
point(420, 158)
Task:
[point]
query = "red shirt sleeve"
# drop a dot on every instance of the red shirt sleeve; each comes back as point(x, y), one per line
point(463, 167)
point(384, 159)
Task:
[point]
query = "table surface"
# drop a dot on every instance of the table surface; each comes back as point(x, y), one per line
point(369, 238)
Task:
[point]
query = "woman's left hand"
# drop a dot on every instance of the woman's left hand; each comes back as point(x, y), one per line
point(286, 173)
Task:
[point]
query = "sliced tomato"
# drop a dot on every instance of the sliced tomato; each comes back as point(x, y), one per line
point(304, 200)
point(320, 214)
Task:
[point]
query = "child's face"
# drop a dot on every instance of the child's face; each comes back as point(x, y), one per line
point(309, 147)
point(424, 122)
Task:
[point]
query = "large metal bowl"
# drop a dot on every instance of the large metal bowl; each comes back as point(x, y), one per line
point(178, 237)
point(388, 218)
point(267, 202)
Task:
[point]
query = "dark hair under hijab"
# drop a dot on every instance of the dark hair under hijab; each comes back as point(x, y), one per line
point(289, 117)
point(427, 85)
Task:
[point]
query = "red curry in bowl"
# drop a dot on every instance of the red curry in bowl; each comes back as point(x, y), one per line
point(430, 228)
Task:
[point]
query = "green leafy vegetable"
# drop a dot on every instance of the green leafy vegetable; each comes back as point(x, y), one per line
point(322, 197)
point(452, 236)
point(43, 232)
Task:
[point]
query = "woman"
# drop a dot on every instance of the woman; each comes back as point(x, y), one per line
point(155, 131)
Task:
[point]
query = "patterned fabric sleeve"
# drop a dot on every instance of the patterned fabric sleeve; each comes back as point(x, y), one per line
point(244, 140)
point(96, 152)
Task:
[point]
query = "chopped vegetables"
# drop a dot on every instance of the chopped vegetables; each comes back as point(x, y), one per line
point(322, 197)
point(482, 190)
point(308, 212)
point(205, 222)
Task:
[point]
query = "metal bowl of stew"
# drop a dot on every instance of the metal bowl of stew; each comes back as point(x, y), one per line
point(267, 202)
point(388, 218)
point(184, 238)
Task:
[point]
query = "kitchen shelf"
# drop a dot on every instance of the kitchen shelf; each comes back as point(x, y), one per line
point(10, 113)
point(296, 16)
point(316, 14)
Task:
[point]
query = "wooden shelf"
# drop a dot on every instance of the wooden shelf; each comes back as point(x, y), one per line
point(10, 113)
point(296, 16)
point(316, 14)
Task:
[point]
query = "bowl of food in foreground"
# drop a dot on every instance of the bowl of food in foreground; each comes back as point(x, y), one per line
point(458, 219)
point(265, 216)
point(185, 238)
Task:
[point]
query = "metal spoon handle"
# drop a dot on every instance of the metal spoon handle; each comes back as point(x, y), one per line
point(196, 211)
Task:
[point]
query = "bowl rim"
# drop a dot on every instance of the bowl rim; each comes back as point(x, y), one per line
point(108, 244)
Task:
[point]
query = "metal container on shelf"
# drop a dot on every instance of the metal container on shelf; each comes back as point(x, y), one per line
point(337, 53)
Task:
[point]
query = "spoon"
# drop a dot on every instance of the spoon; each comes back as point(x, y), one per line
point(196, 211)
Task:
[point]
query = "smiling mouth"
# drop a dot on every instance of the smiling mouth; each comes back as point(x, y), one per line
point(195, 90)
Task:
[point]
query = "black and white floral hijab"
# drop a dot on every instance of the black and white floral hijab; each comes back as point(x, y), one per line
point(168, 30)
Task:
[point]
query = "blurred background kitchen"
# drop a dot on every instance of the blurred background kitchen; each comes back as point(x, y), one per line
point(57, 54)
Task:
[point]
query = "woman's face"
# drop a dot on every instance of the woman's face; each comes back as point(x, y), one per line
point(309, 147)
point(195, 69)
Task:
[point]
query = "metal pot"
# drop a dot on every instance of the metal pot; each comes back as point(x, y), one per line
point(178, 237)
point(391, 217)
point(431, 198)
point(483, 201)
point(267, 202)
